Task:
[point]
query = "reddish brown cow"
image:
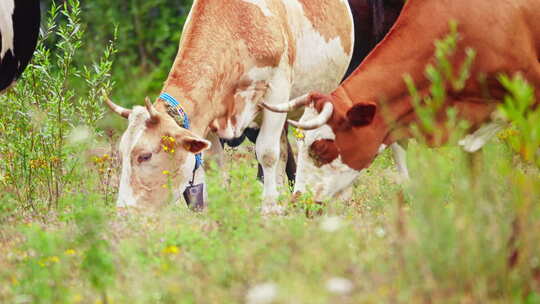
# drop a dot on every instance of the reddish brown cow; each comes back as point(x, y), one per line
point(348, 127)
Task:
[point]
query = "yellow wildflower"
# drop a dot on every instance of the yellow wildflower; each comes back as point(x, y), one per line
point(171, 250)
point(168, 143)
point(164, 186)
point(298, 133)
point(70, 252)
point(166, 172)
point(48, 261)
point(54, 259)
point(77, 298)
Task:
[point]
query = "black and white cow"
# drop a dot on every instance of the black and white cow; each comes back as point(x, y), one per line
point(19, 29)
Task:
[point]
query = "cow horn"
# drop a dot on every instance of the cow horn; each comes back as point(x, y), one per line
point(318, 121)
point(116, 108)
point(289, 106)
point(154, 115)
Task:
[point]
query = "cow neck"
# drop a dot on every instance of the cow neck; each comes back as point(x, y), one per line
point(379, 79)
point(199, 120)
point(203, 89)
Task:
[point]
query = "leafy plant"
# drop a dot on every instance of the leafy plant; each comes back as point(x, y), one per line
point(443, 76)
point(38, 161)
point(518, 109)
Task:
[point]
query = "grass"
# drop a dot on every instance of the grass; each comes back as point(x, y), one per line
point(443, 245)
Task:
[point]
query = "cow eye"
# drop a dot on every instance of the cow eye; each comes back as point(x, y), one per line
point(144, 157)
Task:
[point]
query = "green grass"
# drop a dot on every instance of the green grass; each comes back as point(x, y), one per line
point(448, 243)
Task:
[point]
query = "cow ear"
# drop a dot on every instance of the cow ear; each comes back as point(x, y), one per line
point(362, 114)
point(195, 144)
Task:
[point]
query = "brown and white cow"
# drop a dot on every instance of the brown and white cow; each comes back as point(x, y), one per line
point(234, 55)
point(349, 127)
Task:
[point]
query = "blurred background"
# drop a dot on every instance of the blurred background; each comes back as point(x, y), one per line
point(148, 33)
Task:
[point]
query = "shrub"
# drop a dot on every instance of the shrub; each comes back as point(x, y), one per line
point(39, 161)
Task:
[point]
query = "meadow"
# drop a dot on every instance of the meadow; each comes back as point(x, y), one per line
point(464, 229)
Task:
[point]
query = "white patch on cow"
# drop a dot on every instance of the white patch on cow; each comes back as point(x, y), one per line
point(136, 128)
point(314, 54)
point(257, 74)
point(227, 132)
point(7, 8)
point(262, 5)
point(186, 171)
point(329, 180)
point(474, 142)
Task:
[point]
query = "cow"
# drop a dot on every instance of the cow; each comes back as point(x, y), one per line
point(19, 30)
point(233, 55)
point(373, 109)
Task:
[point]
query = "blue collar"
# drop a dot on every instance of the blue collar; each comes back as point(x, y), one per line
point(173, 103)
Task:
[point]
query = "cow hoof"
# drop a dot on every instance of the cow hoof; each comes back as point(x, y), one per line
point(272, 209)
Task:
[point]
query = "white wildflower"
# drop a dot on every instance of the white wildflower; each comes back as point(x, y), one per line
point(380, 232)
point(339, 285)
point(331, 224)
point(79, 134)
point(262, 294)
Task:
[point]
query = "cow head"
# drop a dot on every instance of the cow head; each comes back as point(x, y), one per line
point(158, 156)
point(330, 152)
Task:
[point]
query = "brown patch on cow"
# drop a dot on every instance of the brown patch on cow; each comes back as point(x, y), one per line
point(246, 38)
point(327, 19)
point(268, 160)
point(323, 151)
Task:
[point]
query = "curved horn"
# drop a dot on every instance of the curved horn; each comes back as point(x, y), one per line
point(289, 106)
point(116, 108)
point(154, 115)
point(318, 121)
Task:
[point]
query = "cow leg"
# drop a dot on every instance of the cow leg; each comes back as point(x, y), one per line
point(268, 145)
point(400, 157)
point(299, 184)
point(267, 148)
point(260, 173)
point(252, 134)
point(290, 166)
